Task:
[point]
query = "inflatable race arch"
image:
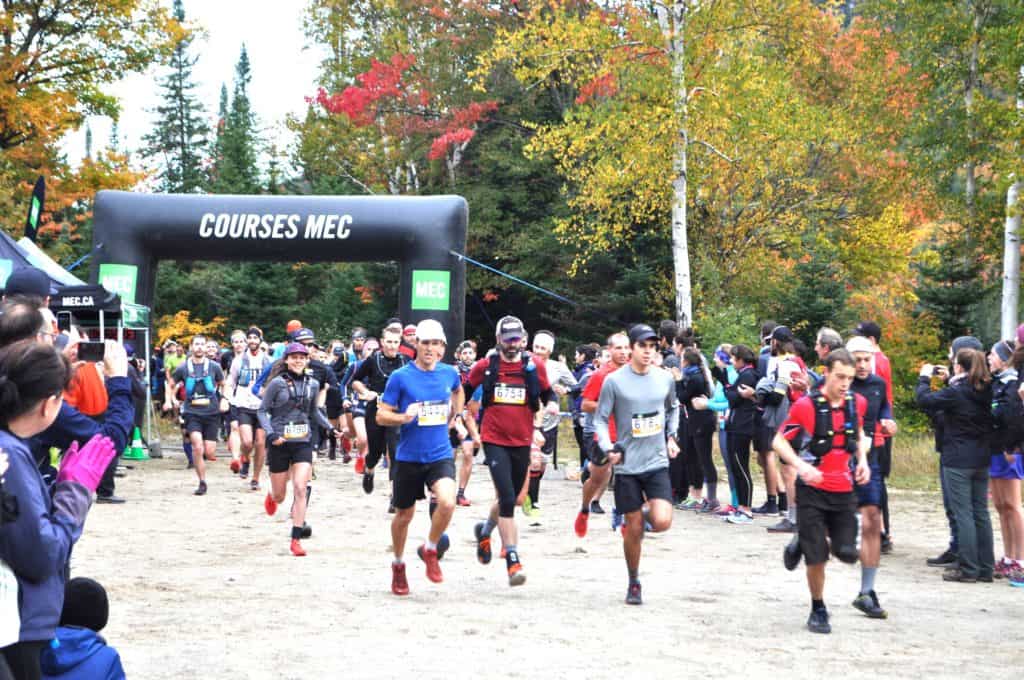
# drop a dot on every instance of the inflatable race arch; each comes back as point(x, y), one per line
point(132, 232)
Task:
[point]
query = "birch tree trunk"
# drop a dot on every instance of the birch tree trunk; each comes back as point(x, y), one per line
point(1011, 243)
point(672, 20)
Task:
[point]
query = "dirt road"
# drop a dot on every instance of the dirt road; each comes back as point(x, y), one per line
point(205, 587)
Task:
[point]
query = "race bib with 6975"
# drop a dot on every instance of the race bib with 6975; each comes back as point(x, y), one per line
point(646, 424)
point(509, 394)
point(296, 431)
point(433, 413)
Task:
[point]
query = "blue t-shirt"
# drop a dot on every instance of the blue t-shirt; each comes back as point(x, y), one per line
point(425, 439)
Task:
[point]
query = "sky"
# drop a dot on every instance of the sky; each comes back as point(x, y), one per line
point(283, 70)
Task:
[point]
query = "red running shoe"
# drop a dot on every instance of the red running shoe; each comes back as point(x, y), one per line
point(399, 585)
point(269, 504)
point(360, 465)
point(297, 548)
point(581, 523)
point(236, 465)
point(429, 558)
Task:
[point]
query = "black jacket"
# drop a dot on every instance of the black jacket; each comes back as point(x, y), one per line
point(693, 385)
point(965, 415)
point(741, 411)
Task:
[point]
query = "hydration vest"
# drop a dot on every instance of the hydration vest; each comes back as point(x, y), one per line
point(530, 378)
point(245, 373)
point(191, 381)
point(824, 433)
point(380, 374)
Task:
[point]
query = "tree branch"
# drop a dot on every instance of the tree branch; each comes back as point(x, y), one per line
point(715, 151)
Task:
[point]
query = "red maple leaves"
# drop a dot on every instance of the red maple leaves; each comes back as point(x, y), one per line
point(392, 95)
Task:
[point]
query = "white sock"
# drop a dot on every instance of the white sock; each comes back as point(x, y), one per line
point(427, 545)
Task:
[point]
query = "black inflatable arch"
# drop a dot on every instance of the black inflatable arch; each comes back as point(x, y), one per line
point(132, 232)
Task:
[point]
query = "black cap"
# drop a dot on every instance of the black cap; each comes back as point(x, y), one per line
point(640, 333)
point(28, 281)
point(782, 334)
point(85, 605)
point(510, 329)
point(253, 330)
point(303, 335)
point(869, 329)
point(358, 333)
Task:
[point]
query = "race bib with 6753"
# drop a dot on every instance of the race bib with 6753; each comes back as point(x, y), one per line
point(509, 394)
point(296, 431)
point(433, 413)
point(646, 424)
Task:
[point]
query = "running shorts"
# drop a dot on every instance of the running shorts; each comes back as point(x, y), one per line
point(632, 491)
point(208, 426)
point(280, 458)
point(411, 479)
point(824, 517)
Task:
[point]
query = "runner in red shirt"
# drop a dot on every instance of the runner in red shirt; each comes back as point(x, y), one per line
point(597, 482)
point(514, 390)
point(825, 498)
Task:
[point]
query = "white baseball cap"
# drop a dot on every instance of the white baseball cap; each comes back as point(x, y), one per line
point(429, 329)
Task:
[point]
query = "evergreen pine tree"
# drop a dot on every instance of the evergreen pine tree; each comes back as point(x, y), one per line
point(236, 171)
point(179, 138)
point(951, 284)
point(88, 141)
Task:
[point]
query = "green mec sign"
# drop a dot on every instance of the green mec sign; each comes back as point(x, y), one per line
point(430, 289)
point(120, 279)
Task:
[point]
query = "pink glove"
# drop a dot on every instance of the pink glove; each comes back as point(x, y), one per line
point(87, 464)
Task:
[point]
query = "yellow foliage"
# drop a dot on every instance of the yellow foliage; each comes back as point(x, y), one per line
point(181, 327)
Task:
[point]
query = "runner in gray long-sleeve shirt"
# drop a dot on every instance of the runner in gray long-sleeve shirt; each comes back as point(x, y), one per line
point(642, 399)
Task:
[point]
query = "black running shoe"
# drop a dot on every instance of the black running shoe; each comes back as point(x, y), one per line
point(886, 545)
point(483, 544)
point(307, 530)
point(769, 508)
point(818, 621)
point(368, 481)
point(792, 553)
point(633, 594)
point(200, 490)
point(868, 603)
point(595, 507)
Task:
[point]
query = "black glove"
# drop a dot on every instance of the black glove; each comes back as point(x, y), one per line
point(599, 457)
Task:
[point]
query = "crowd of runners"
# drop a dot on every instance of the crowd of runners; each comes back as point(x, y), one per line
point(648, 408)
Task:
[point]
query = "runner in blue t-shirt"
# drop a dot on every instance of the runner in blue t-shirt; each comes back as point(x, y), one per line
point(422, 398)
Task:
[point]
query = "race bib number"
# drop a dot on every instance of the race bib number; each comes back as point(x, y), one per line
point(296, 431)
point(200, 401)
point(433, 413)
point(646, 424)
point(509, 394)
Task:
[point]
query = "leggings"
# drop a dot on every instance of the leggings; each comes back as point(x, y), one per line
point(577, 431)
point(692, 464)
point(508, 466)
point(698, 446)
point(739, 458)
point(379, 439)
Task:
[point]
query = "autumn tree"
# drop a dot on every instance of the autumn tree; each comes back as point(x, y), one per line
point(56, 61)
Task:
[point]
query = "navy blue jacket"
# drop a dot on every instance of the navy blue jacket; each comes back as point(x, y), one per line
point(965, 415)
point(37, 545)
point(81, 654)
point(73, 426)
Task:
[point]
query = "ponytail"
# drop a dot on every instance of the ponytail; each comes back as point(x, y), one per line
point(973, 363)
